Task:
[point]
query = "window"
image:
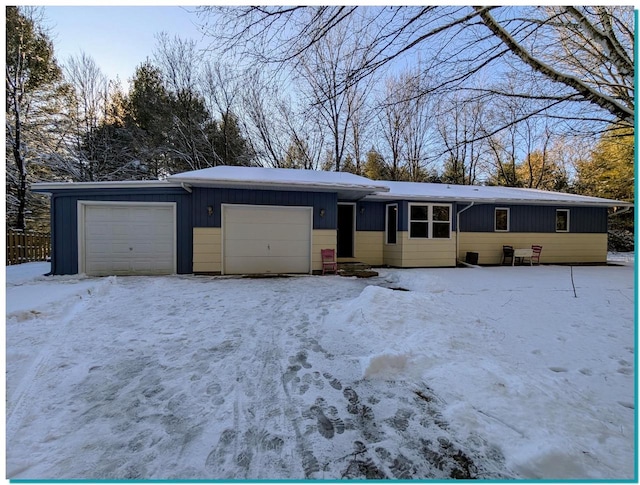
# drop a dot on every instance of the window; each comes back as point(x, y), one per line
point(562, 220)
point(441, 221)
point(392, 223)
point(501, 219)
point(429, 221)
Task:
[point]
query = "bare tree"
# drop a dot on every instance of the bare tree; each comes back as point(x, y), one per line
point(88, 100)
point(32, 78)
point(579, 55)
point(393, 119)
point(460, 126)
point(179, 61)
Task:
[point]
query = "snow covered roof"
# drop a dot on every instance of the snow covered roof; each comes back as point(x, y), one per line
point(487, 194)
point(277, 176)
point(346, 184)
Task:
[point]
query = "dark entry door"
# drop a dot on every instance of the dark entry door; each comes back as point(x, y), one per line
point(345, 230)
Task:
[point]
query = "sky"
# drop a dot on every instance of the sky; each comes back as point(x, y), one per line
point(118, 38)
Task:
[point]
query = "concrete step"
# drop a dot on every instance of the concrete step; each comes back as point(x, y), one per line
point(357, 269)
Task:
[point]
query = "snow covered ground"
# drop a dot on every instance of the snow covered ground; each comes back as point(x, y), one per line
point(476, 372)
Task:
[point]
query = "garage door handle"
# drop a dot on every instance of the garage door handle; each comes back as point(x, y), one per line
point(269, 247)
point(130, 249)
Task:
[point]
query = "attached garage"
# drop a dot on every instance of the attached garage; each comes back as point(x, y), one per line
point(126, 238)
point(266, 239)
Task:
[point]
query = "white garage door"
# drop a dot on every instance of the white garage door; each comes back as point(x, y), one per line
point(128, 238)
point(266, 239)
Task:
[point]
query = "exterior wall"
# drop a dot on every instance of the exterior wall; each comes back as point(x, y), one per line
point(207, 250)
point(370, 247)
point(205, 197)
point(556, 247)
point(321, 239)
point(537, 219)
point(428, 253)
point(392, 253)
point(64, 222)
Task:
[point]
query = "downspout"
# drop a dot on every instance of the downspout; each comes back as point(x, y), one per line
point(458, 228)
point(186, 187)
point(619, 213)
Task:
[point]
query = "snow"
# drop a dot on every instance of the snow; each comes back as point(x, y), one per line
point(493, 372)
point(486, 194)
point(279, 176)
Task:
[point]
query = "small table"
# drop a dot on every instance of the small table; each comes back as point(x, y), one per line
point(522, 253)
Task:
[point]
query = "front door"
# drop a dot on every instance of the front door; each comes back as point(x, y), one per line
point(346, 227)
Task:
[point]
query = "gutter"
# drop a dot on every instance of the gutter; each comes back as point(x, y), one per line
point(458, 228)
point(623, 211)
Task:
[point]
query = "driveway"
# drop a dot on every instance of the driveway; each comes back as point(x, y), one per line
point(199, 377)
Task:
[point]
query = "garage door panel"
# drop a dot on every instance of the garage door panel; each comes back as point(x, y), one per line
point(266, 215)
point(275, 232)
point(266, 239)
point(247, 248)
point(129, 239)
point(244, 265)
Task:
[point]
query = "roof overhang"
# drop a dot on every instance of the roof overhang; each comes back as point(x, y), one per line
point(590, 202)
point(50, 187)
point(349, 191)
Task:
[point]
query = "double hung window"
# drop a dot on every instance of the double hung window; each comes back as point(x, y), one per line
point(429, 221)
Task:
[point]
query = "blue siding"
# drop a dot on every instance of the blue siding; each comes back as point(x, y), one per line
point(204, 197)
point(530, 218)
point(64, 224)
point(370, 216)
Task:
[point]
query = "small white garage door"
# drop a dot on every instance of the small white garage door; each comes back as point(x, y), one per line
point(266, 239)
point(127, 238)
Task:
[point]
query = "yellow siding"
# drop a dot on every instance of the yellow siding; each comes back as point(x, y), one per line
point(369, 247)
point(556, 247)
point(321, 239)
point(207, 250)
point(392, 253)
point(428, 253)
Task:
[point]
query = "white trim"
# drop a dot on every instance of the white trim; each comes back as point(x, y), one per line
point(353, 229)
point(83, 204)
point(429, 221)
point(386, 224)
point(495, 212)
point(253, 206)
point(127, 184)
point(568, 220)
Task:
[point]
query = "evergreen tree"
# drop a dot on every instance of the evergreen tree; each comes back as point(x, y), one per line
point(149, 118)
point(375, 166)
point(609, 172)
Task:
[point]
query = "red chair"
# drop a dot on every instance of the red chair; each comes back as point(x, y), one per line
point(535, 257)
point(329, 260)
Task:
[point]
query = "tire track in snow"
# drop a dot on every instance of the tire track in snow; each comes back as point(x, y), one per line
point(16, 411)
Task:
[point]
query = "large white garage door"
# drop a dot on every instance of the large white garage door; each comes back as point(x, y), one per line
point(127, 238)
point(266, 239)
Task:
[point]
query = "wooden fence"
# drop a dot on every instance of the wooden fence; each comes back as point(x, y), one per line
point(23, 247)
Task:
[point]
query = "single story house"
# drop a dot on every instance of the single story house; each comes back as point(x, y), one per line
point(242, 220)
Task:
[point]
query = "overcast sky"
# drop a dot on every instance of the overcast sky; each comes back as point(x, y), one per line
point(118, 38)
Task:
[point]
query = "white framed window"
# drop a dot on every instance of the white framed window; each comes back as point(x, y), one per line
point(501, 219)
point(391, 226)
point(429, 221)
point(562, 220)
